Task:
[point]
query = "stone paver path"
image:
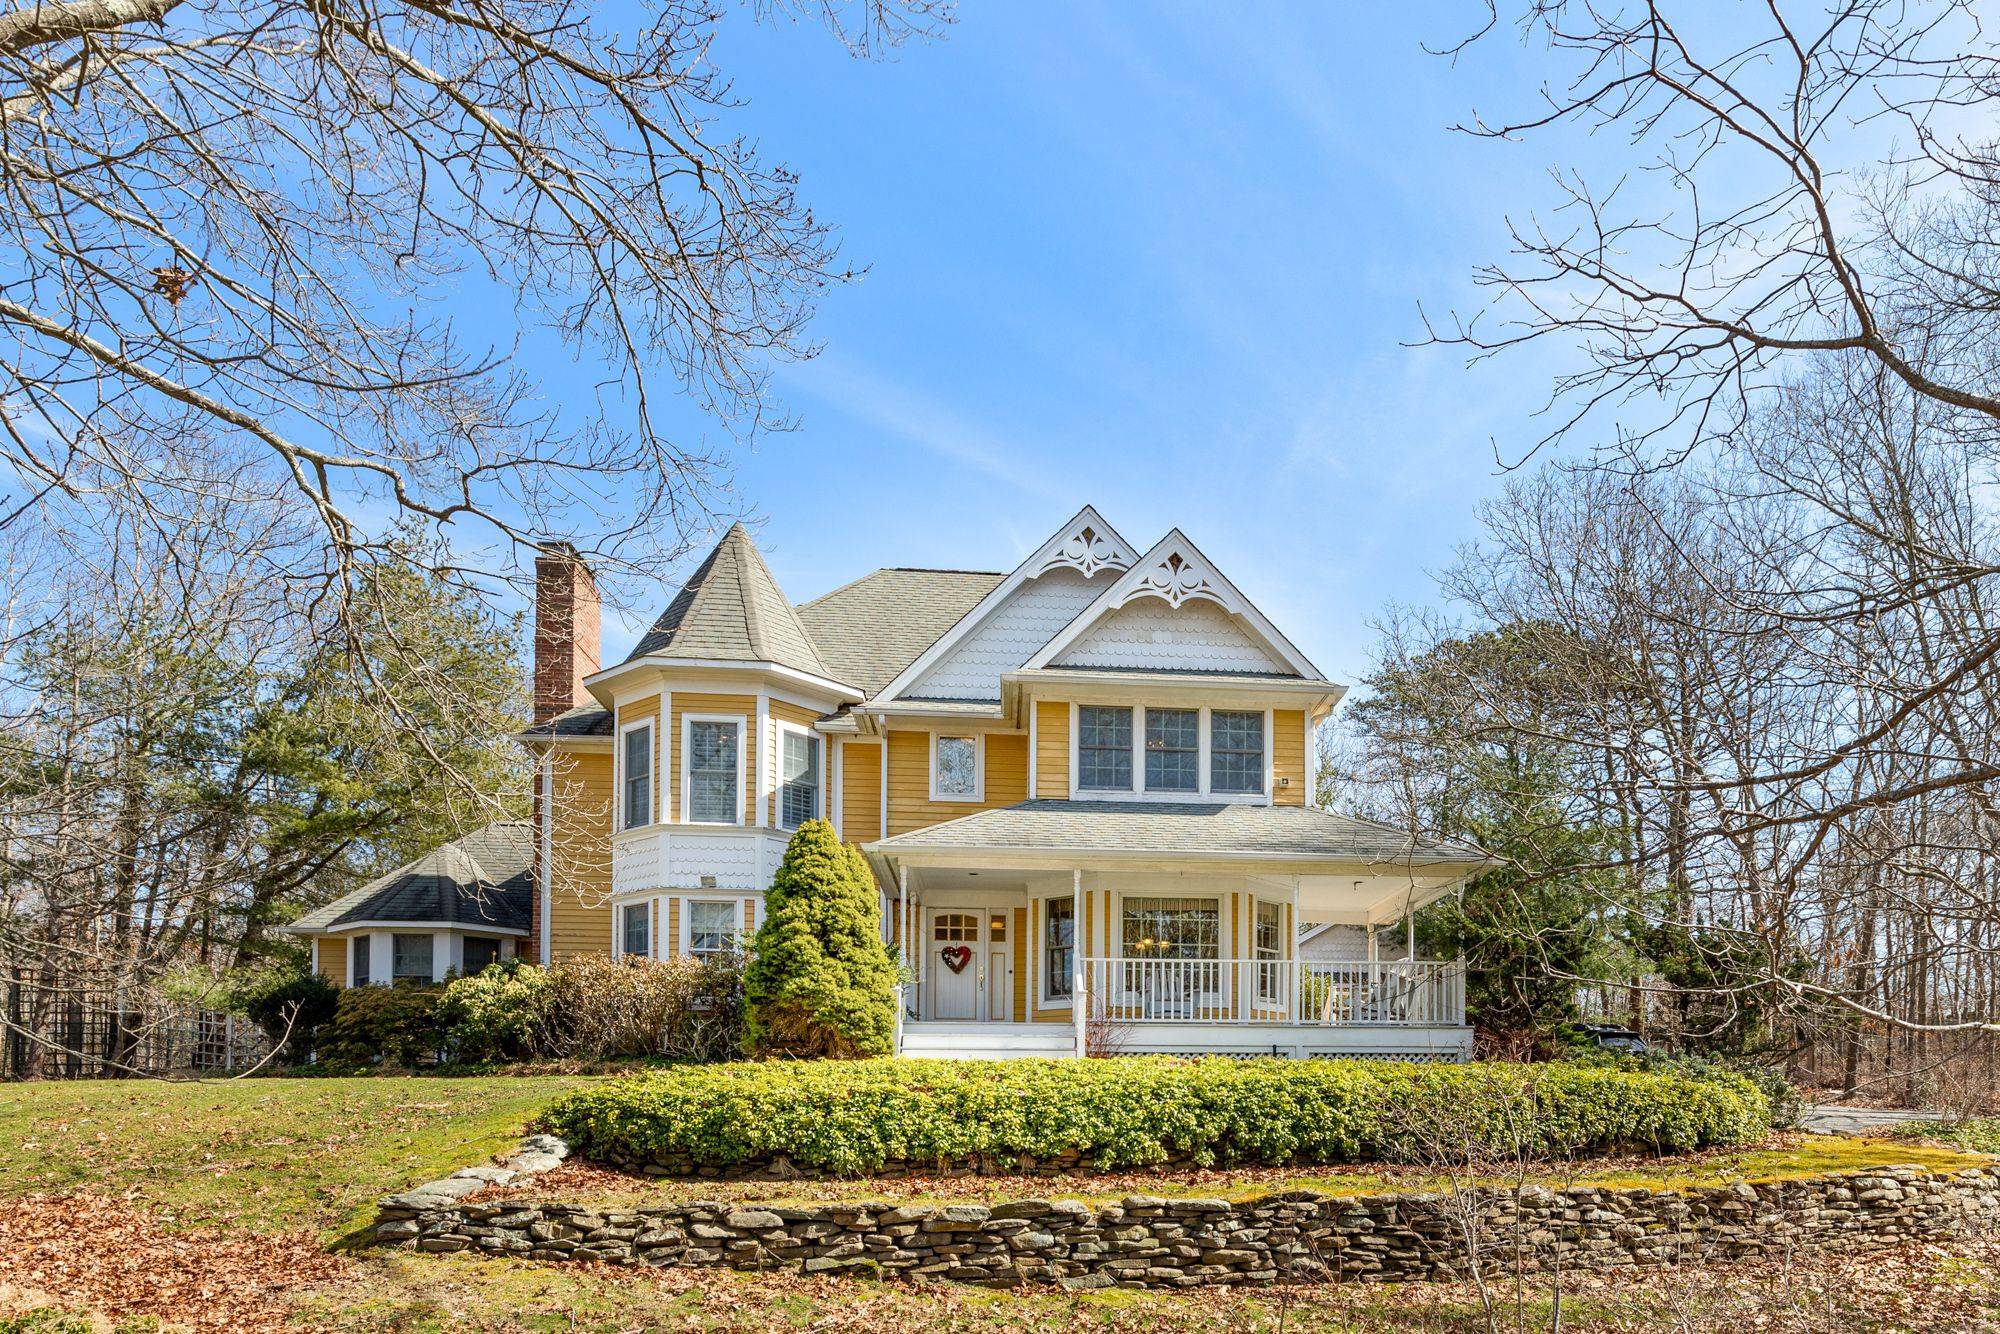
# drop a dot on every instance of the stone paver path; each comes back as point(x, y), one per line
point(1829, 1119)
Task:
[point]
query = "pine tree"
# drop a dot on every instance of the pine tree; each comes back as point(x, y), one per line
point(821, 982)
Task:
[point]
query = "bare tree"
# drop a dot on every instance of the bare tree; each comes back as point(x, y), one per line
point(233, 229)
point(1801, 178)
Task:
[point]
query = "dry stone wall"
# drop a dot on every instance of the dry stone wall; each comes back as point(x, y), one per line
point(1297, 1236)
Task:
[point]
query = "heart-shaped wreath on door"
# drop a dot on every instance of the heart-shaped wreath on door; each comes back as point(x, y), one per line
point(956, 957)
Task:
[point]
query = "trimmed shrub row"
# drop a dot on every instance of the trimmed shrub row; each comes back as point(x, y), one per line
point(860, 1116)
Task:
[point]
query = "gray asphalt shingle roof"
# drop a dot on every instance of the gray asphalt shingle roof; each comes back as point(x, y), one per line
point(583, 720)
point(1177, 827)
point(732, 609)
point(870, 630)
point(482, 880)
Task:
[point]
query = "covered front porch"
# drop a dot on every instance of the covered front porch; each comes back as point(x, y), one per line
point(1014, 945)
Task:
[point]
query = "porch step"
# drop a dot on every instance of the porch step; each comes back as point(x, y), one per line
point(986, 1042)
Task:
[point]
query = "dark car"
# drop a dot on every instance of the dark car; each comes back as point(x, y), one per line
point(1616, 1037)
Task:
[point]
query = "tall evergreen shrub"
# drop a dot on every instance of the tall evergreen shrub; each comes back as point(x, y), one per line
point(821, 982)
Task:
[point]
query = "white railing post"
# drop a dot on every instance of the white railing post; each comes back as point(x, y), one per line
point(1079, 1006)
point(896, 1038)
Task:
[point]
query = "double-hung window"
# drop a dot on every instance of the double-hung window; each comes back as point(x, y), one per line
point(1235, 751)
point(1173, 750)
point(798, 778)
point(713, 771)
point(636, 935)
point(638, 795)
point(711, 927)
point(1104, 748)
point(1059, 947)
point(410, 957)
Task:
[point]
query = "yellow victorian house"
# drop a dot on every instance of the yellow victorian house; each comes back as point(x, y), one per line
point(1084, 786)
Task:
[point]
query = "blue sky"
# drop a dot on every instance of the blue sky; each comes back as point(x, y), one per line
point(1158, 257)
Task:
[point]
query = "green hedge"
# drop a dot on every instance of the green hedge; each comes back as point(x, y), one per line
point(854, 1117)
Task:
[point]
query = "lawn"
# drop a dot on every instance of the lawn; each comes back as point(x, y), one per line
point(214, 1205)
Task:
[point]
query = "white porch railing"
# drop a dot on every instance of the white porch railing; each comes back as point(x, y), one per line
point(1274, 991)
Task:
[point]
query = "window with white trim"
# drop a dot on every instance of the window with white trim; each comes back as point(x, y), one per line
point(637, 804)
point(1104, 748)
point(636, 936)
point(955, 768)
point(711, 927)
point(713, 768)
point(1173, 750)
point(798, 778)
point(1171, 928)
point(410, 957)
point(363, 950)
point(1059, 948)
point(1235, 751)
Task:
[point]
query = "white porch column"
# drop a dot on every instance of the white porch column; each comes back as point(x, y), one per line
point(1079, 997)
point(908, 942)
point(1293, 963)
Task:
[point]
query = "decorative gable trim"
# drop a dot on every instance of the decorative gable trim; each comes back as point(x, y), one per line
point(1176, 572)
point(1086, 544)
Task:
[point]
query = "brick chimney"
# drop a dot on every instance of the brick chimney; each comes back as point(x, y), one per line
point(568, 630)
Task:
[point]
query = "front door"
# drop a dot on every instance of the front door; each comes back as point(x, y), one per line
point(957, 949)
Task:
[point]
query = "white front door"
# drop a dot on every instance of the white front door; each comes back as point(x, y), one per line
point(957, 949)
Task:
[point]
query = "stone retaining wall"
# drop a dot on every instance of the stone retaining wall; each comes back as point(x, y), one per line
point(1291, 1237)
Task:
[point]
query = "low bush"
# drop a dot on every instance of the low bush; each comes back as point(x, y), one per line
point(395, 1026)
point(594, 1008)
point(495, 1014)
point(291, 1007)
point(855, 1117)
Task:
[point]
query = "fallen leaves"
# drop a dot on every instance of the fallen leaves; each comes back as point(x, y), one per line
point(118, 1259)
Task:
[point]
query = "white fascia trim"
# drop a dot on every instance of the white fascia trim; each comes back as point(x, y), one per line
point(742, 725)
point(413, 928)
point(986, 606)
point(978, 793)
point(1127, 587)
point(822, 685)
point(542, 745)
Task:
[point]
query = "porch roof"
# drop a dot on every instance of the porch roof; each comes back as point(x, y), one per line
point(1082, 832)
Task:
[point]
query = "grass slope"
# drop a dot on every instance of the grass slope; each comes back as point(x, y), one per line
point(261, 1154)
